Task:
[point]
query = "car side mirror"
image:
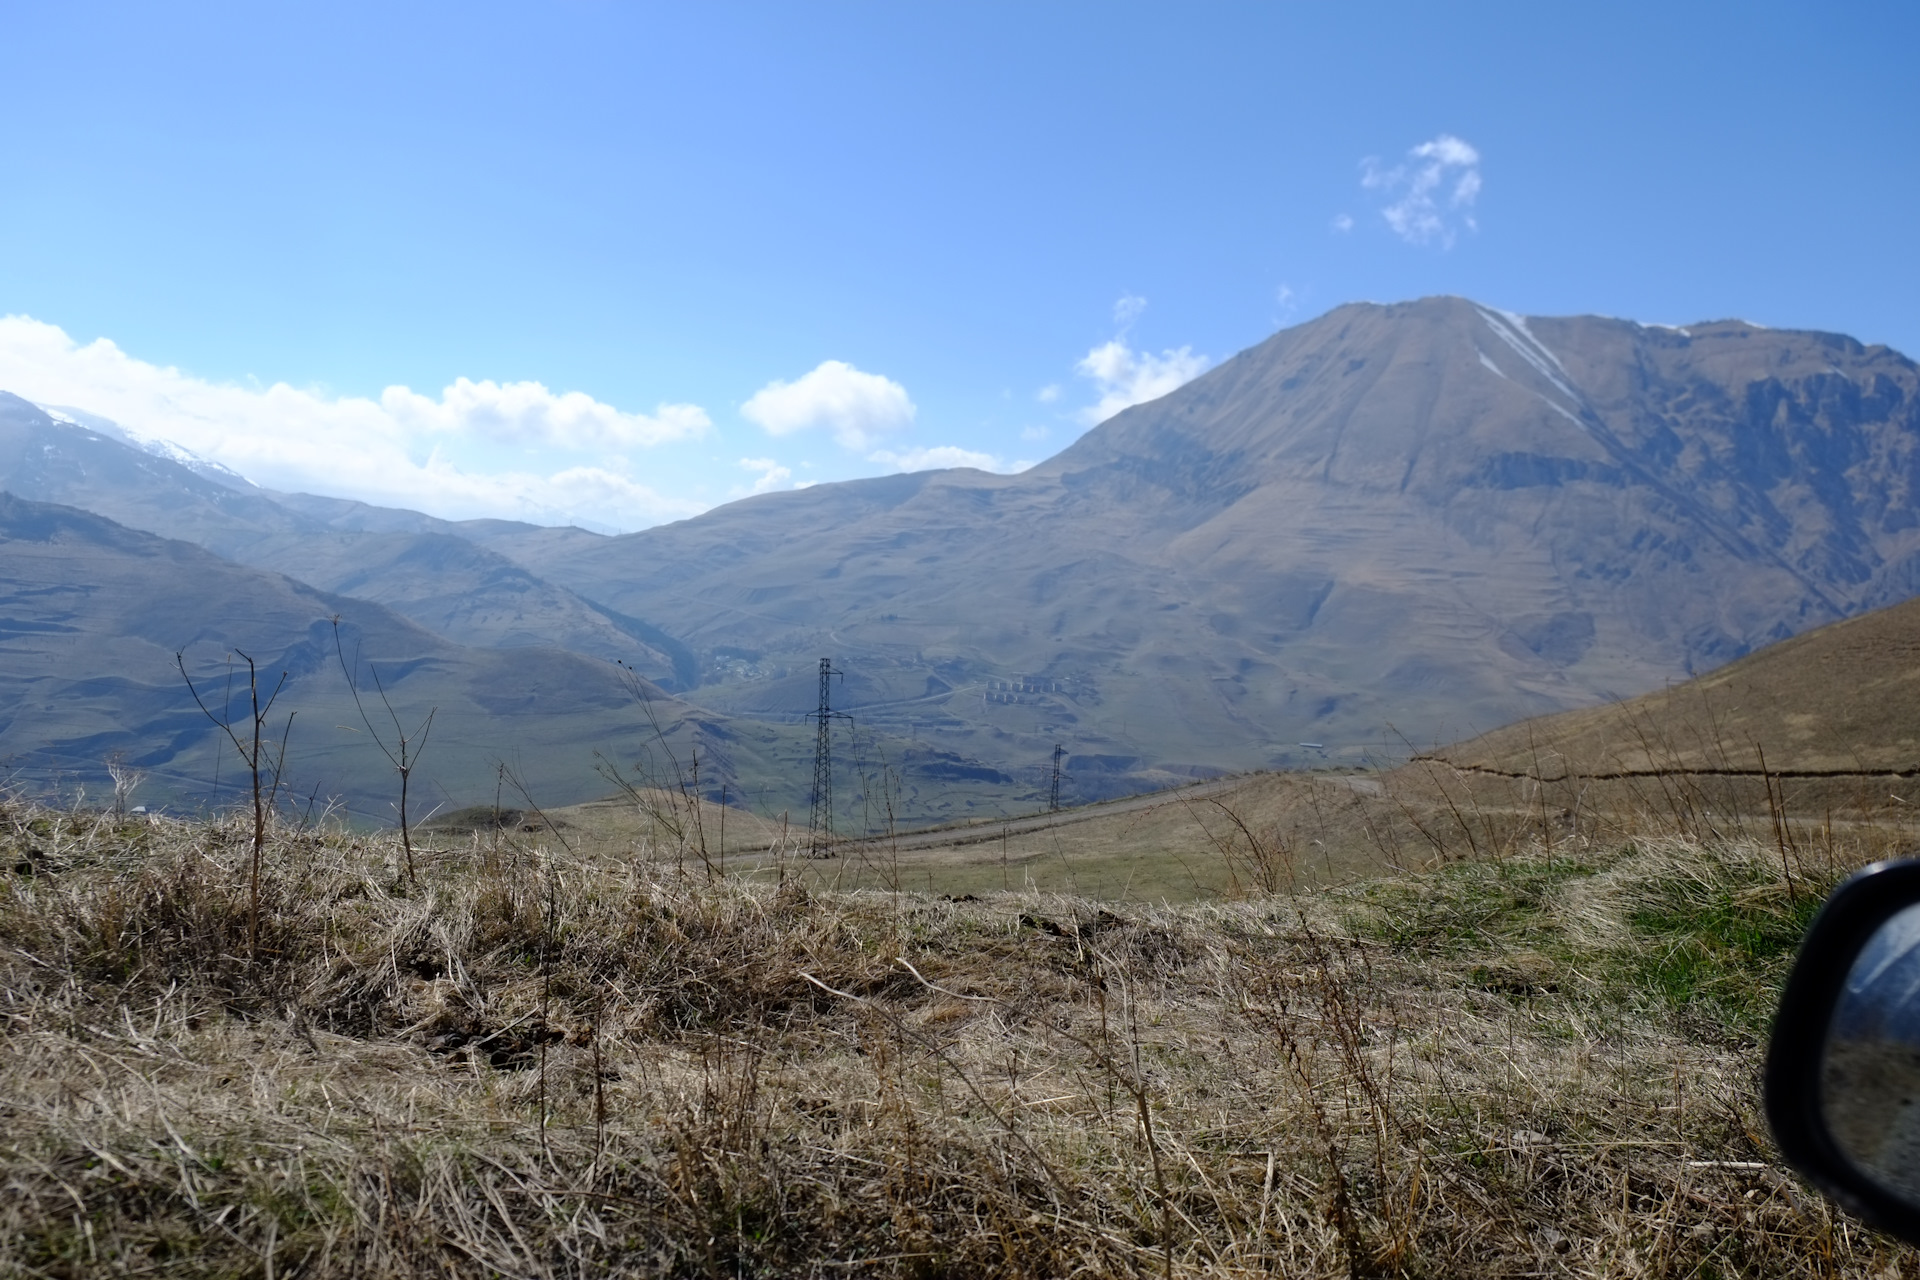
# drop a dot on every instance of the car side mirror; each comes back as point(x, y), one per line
point(1843, 1065)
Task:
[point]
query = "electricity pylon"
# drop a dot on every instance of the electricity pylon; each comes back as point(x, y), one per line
point(1053, 796)
point(820, 821)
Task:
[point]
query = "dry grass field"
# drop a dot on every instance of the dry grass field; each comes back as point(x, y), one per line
point(1260, 833)
point(1532, 1052)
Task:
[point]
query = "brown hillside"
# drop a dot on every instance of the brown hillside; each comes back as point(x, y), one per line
point(1842, 701)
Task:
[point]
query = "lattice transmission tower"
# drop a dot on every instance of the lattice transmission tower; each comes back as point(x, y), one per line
point(820, 821)
point(1053, 796)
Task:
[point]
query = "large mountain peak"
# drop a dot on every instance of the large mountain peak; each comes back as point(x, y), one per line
point(1421, 406)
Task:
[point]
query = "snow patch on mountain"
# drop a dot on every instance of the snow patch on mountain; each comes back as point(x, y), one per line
point(1512, 330)
point(153, 446)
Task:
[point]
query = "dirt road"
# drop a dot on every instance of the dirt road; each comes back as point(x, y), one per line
point(980, 832)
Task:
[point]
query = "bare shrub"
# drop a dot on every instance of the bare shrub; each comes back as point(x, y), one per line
point(404, 752)
point(125, 778)
point(253, 748)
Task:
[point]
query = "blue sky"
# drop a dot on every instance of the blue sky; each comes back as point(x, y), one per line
point(621, 262)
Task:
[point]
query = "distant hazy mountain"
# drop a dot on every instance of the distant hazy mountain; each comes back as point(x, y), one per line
point(1425, 520)
point(92, 614)
point(414, 564)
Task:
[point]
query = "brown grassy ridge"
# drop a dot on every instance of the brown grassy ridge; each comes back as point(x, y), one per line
point(547, 1062)
point(1833, 712)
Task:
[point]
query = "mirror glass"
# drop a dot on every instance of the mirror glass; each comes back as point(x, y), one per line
point(1870, 1071)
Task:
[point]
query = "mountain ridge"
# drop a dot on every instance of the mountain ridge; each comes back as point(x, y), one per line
point(416, 564)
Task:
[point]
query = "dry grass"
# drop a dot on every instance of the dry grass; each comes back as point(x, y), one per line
point(543, 1062)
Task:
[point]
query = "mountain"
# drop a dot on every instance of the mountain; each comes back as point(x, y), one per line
point(153, 446)
point(420, 567)
point(1809, 746)
point(92, 615)
point(1390, 526)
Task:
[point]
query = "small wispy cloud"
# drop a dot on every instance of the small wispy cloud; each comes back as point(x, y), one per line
point(1048, 394)
point(1430, 195)
point(1125, 377)
point(1342, 223)
point(857, 407)
point(1035, 434)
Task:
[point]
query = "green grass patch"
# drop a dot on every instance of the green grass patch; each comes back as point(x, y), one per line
point(1709, 936)
point(1719, 946)
point(1471, 908)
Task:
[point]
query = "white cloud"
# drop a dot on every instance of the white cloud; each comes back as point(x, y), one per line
point(1126, 377)
point(1431, 194)
point(392, 451)
point(944, 455)
point(1035, 433)
point(1343, 222)
point(528, 413)
point(1048, 394)
point(593, 496)
point(772, 474)
point(857, 407)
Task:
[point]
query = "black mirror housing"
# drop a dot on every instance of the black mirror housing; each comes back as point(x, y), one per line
point(1799, 1080)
